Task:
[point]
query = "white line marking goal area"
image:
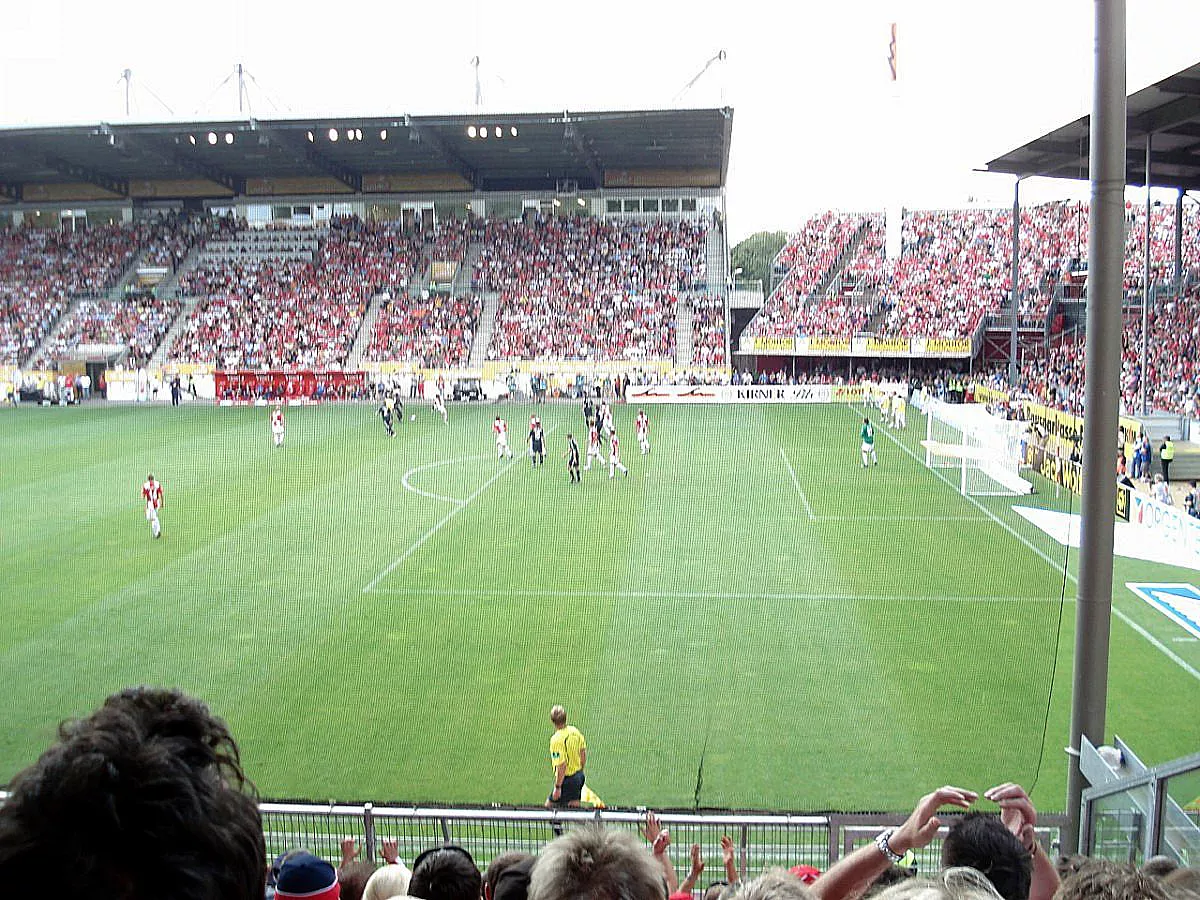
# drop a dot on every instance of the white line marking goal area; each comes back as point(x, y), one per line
point(468, 593)
point(796, 483)
point(1053, 563)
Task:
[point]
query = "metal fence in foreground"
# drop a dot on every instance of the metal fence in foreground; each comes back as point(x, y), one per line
point(761, 841)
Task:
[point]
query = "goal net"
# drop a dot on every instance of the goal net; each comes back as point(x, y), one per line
point(985, 450)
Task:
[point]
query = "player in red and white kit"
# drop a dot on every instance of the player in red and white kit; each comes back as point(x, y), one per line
point(642, 426)
point(500, 428)
point(439, 406)
point(152, 492)
point(593, 450)
point(614, 455)
point(278, 428)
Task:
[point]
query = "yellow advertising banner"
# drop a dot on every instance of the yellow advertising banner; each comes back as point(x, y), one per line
point(823, 344)
point(948, 346)
point(887, 345)
point(774, 344)
point(442, 272)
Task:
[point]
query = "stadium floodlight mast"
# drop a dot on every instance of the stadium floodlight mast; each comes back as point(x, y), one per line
point(1106, 254)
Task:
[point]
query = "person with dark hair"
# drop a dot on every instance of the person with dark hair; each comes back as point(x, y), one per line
point(445, 873)
point(981, 841)
point(145, 797)
point(497, 866)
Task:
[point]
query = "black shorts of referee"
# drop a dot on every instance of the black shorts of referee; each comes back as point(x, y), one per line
point(571, 790)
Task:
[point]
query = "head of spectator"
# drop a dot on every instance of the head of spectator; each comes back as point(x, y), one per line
point(956, 883)
point(774, 884)
point(498, 866)
point(513, 882)
point(595, 863)
point(1066, 866)
point(303, 876)
point(1104, 880)
point(1160, 866)
point(388, 881)
point(893, 874)
point(1183, 882)
point(982, 842)
point(445, 873)
point(145, 796)
point(353, 878)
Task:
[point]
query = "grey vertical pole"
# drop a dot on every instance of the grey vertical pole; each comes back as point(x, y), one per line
point(241, 87)
point(1016, 275)
point(1145, 283)
point(1106, 251)
point(1179, 242)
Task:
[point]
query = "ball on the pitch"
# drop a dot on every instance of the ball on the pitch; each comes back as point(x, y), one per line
point(413, 418)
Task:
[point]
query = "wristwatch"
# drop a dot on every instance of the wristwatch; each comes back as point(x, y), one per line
point(881, 841)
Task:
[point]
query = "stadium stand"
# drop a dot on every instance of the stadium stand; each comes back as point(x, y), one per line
point(432, 332)
point(41, 269)
point(808, 257)
point(708, 332)
point(138, 322)
point(588, 289)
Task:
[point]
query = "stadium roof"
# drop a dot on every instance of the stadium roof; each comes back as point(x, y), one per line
point(1168, 110)
point(259, 157)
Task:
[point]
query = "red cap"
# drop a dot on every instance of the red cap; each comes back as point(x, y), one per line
point(807, 874)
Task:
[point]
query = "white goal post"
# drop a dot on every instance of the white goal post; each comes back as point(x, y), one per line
point(985, 450)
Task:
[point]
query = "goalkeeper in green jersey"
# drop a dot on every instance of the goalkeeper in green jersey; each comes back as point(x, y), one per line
point(868, 443)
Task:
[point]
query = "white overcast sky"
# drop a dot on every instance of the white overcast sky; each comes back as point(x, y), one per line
point(817, 123)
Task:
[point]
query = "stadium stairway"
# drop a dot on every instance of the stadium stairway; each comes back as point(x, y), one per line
point(169, 287)
point(128, 275)
point(159, 359)
point(714, 261)
point(36, 358)
point(365, 329)
point(683, 333)
point(483, 334)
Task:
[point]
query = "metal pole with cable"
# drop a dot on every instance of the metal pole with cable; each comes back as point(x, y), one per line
point(1016, 278)
point(1106, 252)
point(1146, 283)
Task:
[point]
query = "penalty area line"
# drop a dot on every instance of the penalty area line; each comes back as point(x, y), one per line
point(481, 593)
point(1167, 651)
point(796, 481)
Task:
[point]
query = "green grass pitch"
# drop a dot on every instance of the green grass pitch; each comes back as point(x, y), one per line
point(749, 621)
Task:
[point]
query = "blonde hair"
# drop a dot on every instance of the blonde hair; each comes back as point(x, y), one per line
point(388, 881)
point(955, 883)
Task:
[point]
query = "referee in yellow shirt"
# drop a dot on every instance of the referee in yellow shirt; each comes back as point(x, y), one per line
point(568, 756)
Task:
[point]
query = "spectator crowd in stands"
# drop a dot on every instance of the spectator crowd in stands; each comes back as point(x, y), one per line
point(586, 288)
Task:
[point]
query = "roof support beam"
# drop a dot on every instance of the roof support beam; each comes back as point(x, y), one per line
point(113, 185)
point(1165, 117)
point(434, 140)
point(178, 156)
point(308, 154)
point(574, 133)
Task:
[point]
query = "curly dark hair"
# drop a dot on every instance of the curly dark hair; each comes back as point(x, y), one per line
point(143, 798)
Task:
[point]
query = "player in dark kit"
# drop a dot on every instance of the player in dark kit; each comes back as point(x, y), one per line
point(589, 412)
point(385, 413)
point(572, 455)
point(537, 445)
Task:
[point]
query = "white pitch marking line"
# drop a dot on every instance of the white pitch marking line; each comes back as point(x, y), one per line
point(433, 465)
point(695, 595)
point(441, 523)
point(1170, 654)
point(900, 519)
point(796, 481)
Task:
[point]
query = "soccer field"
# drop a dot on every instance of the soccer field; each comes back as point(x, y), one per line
point(749, 620)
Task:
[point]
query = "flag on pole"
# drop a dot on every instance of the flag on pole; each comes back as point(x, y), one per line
point(892, 52)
